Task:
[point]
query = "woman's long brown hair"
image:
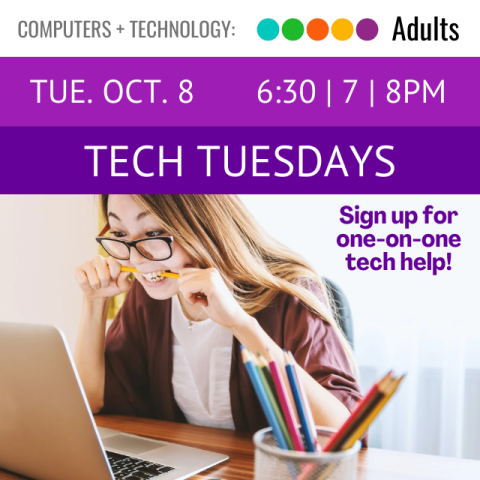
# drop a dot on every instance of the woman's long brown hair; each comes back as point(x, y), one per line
point(218, 231)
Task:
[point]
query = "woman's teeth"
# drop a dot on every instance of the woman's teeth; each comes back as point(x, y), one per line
point(153, 277)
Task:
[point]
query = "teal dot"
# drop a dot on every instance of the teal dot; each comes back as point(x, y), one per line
point(268, 29)
point(293, 29)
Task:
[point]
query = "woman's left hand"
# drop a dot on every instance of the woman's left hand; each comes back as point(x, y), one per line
point(206, 287)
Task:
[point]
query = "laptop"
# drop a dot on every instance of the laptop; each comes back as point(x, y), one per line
point(47, 431)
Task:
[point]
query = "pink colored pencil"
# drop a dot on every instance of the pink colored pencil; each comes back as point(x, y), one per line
point(285, 404)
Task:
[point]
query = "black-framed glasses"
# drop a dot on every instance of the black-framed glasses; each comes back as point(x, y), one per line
point(156, 248)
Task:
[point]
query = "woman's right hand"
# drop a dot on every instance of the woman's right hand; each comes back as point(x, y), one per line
point(101, 278)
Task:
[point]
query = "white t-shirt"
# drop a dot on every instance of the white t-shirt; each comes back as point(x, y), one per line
point(202, 359)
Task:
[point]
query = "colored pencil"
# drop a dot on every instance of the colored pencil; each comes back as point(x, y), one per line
point(310, 441)
point(363, 407)
point(391, 387)
point(268, 375)
point(363, 427)
point(306, 403)
point(264, 373)
point(285, 404)
point(263, 398)
point(163, 274)
point(387, 386)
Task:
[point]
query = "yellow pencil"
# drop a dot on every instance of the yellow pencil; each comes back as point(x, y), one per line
point(163, 274)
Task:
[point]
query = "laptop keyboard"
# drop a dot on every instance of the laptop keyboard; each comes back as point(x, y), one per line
point(124, 467)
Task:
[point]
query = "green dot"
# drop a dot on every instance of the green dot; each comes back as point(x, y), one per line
point(293, 29)
point(268, 29)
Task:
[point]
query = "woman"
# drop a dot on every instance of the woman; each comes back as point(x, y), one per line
point(173, 350)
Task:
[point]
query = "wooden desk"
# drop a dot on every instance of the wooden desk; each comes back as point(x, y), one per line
point(374, 464)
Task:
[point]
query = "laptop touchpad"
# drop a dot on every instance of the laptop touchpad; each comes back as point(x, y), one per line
point(131, 444)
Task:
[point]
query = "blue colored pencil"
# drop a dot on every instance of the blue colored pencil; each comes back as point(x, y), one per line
point(310, 442)
point(264, 401)
point(306, 403)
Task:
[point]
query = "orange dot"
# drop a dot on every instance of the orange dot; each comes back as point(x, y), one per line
point(342, 29)
point(317, 29)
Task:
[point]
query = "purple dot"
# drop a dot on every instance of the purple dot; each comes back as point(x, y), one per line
point(367, 29)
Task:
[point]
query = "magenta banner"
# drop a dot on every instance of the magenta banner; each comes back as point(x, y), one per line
point(239, 92)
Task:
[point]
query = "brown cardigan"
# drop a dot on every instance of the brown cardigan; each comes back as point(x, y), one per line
point(138, 359)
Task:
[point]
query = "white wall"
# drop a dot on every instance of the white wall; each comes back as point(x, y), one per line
point(44, 237)
point(427, 326)
point(310, 225)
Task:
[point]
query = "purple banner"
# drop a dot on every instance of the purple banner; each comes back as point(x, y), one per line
point(239, 92)
point(315, 160)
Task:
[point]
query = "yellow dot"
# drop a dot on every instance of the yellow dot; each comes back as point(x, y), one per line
point(342, 29)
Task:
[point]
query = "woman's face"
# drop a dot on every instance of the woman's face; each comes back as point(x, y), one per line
point(128, 222)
